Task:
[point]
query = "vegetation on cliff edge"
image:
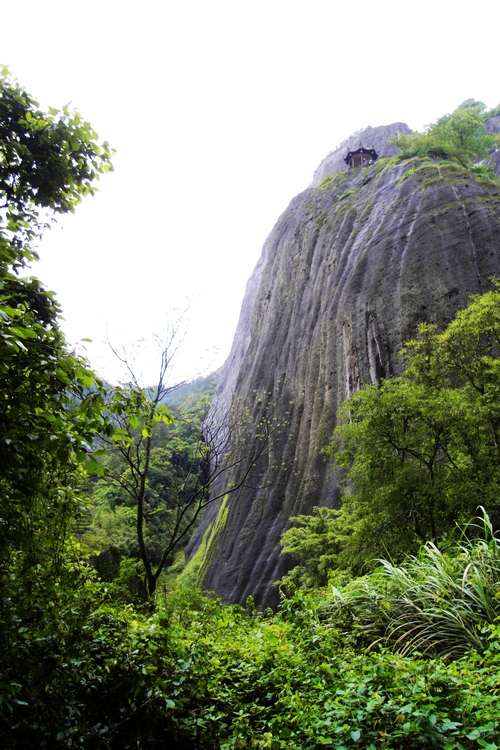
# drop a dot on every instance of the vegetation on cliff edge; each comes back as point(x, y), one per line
point(460, 136)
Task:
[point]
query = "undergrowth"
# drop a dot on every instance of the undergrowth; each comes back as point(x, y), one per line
point(437, 602)
point(327, 670)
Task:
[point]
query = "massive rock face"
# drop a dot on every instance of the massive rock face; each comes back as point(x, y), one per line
point(352, 266)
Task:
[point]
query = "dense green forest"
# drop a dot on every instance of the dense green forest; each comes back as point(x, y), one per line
point(103, 646)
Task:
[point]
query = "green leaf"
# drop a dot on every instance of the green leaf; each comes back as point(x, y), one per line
point(133, 421)
point(63, 377)
point(24, 333)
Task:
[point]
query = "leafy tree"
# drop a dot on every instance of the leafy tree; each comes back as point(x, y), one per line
point(49, 162)
point(176, 459)
point(463, 135)
point(421, 452)
point(460, 135)
point(50, 402)
point(313, 543)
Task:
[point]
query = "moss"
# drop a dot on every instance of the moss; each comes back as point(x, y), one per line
point(408, 173)
point(426, 170)
point(432, 181)
point(321, 218)
point(386, 162)
point(449, 166)
point(326, 182)
point(334, 181)
point(488, 182)
point(192, 574)
point(366, 210)
point(345, 195)
point(398, 202)
point(319, 215)
point(189, 576)
point(472, 201)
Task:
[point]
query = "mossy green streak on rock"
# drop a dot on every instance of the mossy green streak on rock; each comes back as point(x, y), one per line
point(197, 564)
point(351, 268)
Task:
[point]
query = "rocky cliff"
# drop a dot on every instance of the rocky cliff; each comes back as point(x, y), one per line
point(352, 266)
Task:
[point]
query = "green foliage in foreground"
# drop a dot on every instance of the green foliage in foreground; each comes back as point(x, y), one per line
point(422, 450)
point(439, 603)
point(199, 674)
point(51, 403)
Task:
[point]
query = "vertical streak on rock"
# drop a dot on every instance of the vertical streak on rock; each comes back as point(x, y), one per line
point(470, 238)
point(379, 361)
point(406, 247)
point(351, 366)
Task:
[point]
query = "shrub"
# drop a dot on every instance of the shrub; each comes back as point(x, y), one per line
point(437, 602)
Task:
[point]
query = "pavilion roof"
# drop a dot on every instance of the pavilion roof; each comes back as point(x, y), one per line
point(361, 150)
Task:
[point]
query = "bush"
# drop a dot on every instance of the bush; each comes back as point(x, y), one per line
point(439, 603)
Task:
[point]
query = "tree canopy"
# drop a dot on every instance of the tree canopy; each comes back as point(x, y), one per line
point(460, 136)
point(48, 162)
point(51, 403)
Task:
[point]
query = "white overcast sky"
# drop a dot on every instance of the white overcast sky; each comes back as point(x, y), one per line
point(219, 113)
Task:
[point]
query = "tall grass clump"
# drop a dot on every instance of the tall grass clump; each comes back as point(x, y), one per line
point(437, 603)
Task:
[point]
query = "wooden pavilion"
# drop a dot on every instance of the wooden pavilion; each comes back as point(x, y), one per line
point(361, 157)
